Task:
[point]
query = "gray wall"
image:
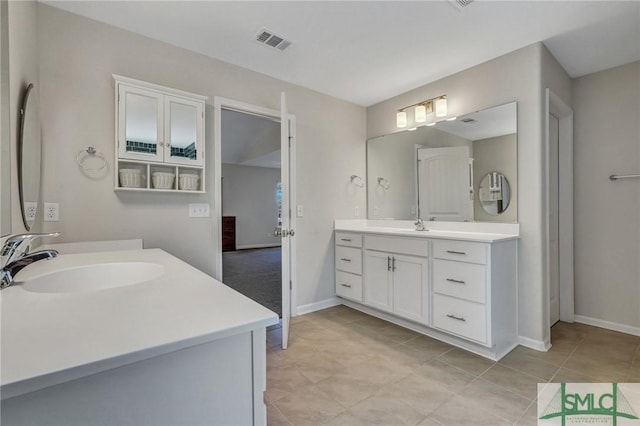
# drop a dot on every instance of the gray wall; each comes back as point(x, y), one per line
point(77, 58)
point(518, 76)
point(607, 220)
point(497, 154)
point(249, 194)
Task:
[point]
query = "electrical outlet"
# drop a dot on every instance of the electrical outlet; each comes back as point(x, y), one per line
point(300, 210)
point(30, 210)
point(51, 212)
point(199, 210)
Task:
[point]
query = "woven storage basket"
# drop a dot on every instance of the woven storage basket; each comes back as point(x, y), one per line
point(162, 180)
point(130, 178)
point(188, 181)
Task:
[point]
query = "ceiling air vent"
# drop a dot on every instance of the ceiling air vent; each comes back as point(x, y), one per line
point(460, 4)
point(268, 38)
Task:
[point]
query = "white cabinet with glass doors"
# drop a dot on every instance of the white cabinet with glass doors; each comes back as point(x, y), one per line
point(159, 138)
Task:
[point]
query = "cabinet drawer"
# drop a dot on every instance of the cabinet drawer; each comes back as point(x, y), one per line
point(348, 239)
point(349, 285)
point(349, 259)
point(412, 246)
point(461, 317)
point(463, 251)
point(460, 279)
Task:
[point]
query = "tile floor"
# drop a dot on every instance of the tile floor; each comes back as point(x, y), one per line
point(344, 367)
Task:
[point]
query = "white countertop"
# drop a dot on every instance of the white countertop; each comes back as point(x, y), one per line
point(465, 231)
point(50, 338)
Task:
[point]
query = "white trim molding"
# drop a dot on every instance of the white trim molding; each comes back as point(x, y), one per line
point(317, 306)
point(622, 328)
point(258, 246)
point(538, 345)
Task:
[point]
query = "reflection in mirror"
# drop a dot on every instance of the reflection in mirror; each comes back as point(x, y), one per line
point(141, 128)
point(494, 193)
point(29, 157)
point(183, 130)
point(436, 170)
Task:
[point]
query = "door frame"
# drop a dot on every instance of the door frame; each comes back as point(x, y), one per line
point(556, 106)
point(220, 103)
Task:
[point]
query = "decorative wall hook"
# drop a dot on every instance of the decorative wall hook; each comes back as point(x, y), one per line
point(383, 182)
point(357, 181)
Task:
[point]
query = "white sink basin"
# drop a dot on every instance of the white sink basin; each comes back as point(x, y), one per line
point(94, 277)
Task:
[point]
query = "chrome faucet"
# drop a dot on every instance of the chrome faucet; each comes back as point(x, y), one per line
point(419, 225)
point(15, 255)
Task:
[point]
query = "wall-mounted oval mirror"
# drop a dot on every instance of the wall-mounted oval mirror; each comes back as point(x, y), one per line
point(29, 156)
point(494, 193)
point(436, 170)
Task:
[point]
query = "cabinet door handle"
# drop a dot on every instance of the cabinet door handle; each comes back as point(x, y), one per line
point(388, 263)
point(344, 259)
point(346, 285)
point(456, 318)
point(456, 252)
point(346, 239)
point(455, 281)
point(393, 264)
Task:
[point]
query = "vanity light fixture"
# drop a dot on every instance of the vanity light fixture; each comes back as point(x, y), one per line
point(422, 110)
point(401, 119)
point(441, 106)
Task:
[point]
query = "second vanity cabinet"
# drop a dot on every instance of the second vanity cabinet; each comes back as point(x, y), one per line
point(396, 276)
point(456, 290)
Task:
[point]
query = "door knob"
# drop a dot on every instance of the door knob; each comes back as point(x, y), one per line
point(292, 232)
point(277, 232)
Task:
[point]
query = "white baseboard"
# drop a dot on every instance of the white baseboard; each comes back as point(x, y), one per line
point(538, 345)
point(256, 246)
point(316, 306)
point(622, 328)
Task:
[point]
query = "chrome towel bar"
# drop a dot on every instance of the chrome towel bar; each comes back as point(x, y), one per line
point(616, 177)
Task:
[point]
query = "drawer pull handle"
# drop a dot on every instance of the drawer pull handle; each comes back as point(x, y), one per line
point(346, 239)
point(456, 318)
point(456, 252)
point(346, 285)
point(344, 259)
point(451, 280)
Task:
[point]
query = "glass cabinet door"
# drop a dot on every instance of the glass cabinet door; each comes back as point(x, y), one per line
point(140, 130)
point(183, 128)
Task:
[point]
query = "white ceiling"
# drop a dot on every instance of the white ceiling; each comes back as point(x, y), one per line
point(368, 51)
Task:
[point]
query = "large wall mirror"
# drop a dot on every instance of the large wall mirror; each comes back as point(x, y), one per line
point(459, 170)
point(29, 156)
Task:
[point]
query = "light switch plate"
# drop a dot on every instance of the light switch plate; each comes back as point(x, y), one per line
point(300, 210)
point(199, 210)
point(356, 211)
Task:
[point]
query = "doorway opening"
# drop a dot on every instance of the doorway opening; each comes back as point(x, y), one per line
point(261, 152)
point(559, 235)
point(251, 206)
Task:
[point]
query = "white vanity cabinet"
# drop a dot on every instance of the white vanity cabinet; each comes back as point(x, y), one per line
point(158, 130)
point(396, 276)
point(349, 266)
point(462, 291)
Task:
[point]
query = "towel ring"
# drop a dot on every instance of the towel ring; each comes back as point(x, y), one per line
point(90, 152)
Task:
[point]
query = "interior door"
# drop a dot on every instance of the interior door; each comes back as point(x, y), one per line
point(287, 231)
point(554, 248)
point(443, 184)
